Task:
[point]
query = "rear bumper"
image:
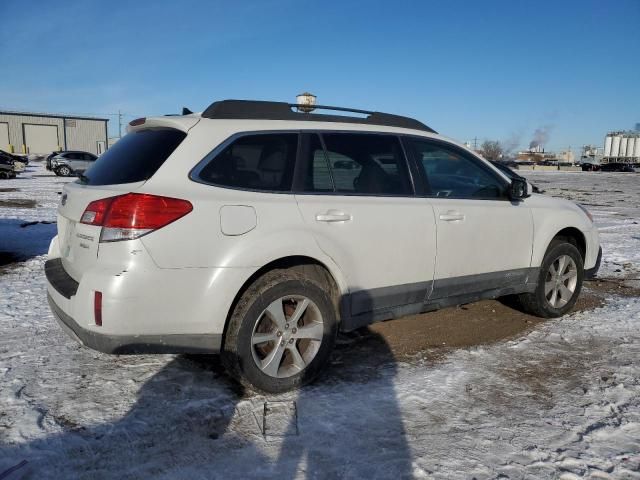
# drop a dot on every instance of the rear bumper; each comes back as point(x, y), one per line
point(65, 295)
point(135, 344)
point(592, 272)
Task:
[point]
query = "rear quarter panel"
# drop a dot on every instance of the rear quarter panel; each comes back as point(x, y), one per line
point(197, 240)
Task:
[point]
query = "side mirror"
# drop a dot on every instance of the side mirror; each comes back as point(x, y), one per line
point(519, 189)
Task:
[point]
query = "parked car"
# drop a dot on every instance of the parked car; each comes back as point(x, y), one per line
point(233, 231)
point(24, 159)
point(7, 165)
point(502, 166)
point(17, 162)
point(590, 167)
point(616, 167)
point(48, 159)
point(70, 163)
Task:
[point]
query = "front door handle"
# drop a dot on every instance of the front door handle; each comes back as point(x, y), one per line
point(333, 216)
point(451, 216)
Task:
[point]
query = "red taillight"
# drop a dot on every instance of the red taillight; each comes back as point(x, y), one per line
point(97, 308)
point(96, 211)
point(130, 216)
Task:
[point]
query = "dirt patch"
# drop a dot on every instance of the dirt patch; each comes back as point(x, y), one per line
point(604, 287)
point(464, 326)
point(19, 203)
point(431, 335)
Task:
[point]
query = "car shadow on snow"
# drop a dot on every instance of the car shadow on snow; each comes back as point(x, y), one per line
point(192, 421)
point(22, 239)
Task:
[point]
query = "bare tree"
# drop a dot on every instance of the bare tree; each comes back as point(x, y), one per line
point(491, 150)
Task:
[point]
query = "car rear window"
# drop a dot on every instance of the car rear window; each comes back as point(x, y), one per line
point(134, 158)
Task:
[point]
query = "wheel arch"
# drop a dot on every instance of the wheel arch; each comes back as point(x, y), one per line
point(573, 235)
point(311, 267)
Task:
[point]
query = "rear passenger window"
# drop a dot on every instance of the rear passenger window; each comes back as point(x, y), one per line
point(366, 164)
point(255, 162)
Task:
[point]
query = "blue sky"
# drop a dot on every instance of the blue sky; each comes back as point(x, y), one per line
point(486, 69)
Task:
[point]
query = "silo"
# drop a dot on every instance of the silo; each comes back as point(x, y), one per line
point(631, 141)
point(607, 146)
point(623, 146)
point(615, 146)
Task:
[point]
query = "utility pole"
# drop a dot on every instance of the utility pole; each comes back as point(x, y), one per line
point(119, 124)
point(475, 143)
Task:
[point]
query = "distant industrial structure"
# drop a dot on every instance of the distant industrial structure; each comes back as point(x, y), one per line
point(623, 147)
point(591, 154)
point(538, 154)
point(41, 133)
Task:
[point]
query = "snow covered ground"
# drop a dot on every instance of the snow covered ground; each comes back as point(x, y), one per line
point(562, 401)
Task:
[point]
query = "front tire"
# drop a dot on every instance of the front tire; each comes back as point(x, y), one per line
point(559, 282)
point(281, 332)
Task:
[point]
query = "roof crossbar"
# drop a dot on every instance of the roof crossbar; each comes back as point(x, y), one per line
point(262, 110)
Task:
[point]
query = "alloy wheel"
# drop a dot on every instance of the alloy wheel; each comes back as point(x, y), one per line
point(287, 336)
point(561, 281)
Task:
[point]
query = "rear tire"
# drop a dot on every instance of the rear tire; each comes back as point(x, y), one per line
point(559, 282)
point(281, 332)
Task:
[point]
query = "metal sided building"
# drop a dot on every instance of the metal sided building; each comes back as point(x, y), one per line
point(41, 133)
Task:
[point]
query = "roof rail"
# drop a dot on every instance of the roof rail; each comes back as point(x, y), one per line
point(262, 110)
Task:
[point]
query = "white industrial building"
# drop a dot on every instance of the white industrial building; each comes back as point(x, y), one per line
point(622, 147)
point(41, 133)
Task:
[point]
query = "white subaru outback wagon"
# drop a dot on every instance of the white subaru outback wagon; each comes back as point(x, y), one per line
point(258, 232)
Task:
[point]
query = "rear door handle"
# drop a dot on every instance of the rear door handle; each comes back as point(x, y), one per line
point(333, 216)
point(451, 216)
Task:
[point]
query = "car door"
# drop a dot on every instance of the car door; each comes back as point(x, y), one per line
point(73, 160)
point(356, 196)
point(88, 161)
point(484, 239)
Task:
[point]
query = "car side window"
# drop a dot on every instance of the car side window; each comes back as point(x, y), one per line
point(365, 164)
point(255, 162)
point(451, 173)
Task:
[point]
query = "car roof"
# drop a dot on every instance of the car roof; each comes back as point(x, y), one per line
point(262, 110)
